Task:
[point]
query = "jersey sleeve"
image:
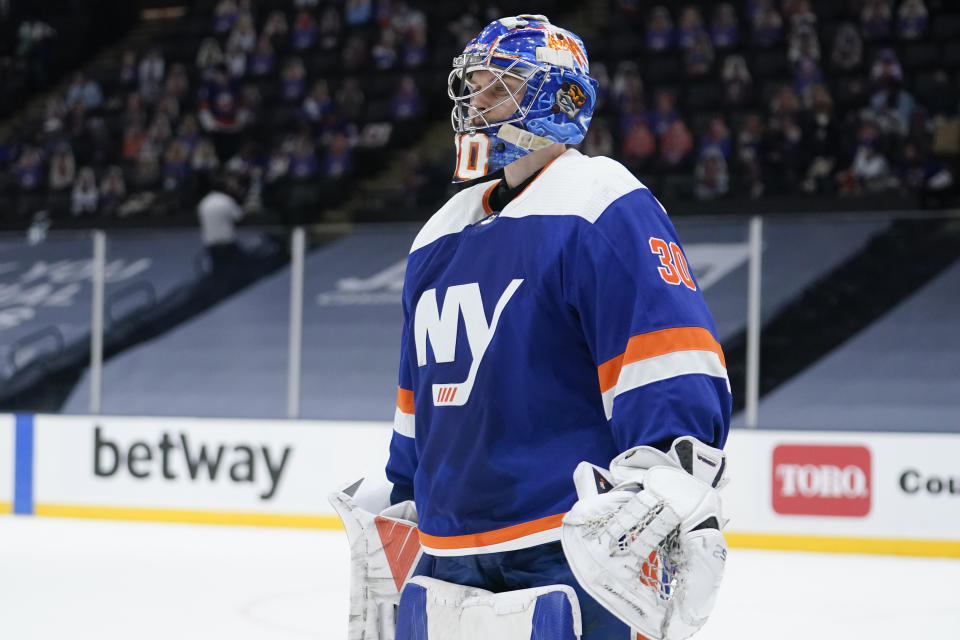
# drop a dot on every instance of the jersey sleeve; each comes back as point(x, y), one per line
point(660, 368)
point(402, 462)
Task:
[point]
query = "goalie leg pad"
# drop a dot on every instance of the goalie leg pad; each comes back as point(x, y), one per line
point(432, 609)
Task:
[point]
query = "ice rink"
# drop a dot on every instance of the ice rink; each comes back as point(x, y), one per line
point(75, 579)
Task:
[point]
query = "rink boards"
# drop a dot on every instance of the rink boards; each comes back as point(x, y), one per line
point(825, 491)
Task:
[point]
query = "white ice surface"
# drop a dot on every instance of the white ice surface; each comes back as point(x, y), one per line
point(72, 579)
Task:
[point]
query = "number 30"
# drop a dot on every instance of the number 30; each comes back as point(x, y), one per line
point(674, 269)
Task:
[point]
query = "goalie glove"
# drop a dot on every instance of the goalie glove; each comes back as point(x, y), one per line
point(644, 538)
point(384, 550)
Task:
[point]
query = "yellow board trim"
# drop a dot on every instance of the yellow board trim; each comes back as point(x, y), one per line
point(193, 517)
point(6, 507)
point(778, 542)
point(882, 546)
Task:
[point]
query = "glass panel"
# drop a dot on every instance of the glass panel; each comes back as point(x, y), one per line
point(859, 323)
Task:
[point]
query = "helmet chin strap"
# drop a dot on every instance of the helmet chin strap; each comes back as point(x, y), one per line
point(521, 138)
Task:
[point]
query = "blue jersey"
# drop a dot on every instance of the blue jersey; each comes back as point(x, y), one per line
point(566, 327)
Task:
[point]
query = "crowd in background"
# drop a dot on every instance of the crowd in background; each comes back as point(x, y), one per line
point(293, 98)
point(780, 98)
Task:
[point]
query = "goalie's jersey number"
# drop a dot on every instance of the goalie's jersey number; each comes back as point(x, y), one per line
point(673, 264)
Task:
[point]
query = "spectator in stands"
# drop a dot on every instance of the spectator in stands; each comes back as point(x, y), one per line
point(599, 139)
point(784, 152)
point(29, 171)
point(712, 177)
point(691, 28)
point(276, 30)
point(303, 160)
point(351, 100)
point(150, 73)
point(737, 82)
point(354, 53)
point(84, 90)
point(224, 16)
point(148, 169)
point(304, 33)
point(847, 52)
point(724, 29)
point(358, 12)
point(178, 82)
point(699, 57)
point(53, 115)
point(886, 68)
point(293, 79)
point(176, 166)
point(235, 62)
point(262, 61)
point(127, 74)
point(33, 51)
point(84, 198)
point(784, 101)
point(414, 52)
point(627, 84)
point(209, 55)
point(803, 44)
point(169, 106)
point(823, 137)
point(875, 19)
point(248, 110)
point(406, 100)
point(384, 54)
point(243, 36)
point(330, 28)
point(767, 27)
point(660, 35)
point(912, 20)
point(318, 104)
point(134, 138)
point(639, 146)
point(305, 4)
point(749, 140)
point(599, 72)
point(204, 157)
point(870, 170)
point(632, 113)
point(676, 144)
point(278, 164)
point(113, 190)
point(717, 137)
point(806, 75)
point(799, 14)
point(922, 173)
point(188, 132)
point(664, 114)
point(62, 168)
point(338, 162)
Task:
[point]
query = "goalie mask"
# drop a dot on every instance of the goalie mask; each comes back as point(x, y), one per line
point(520, 85)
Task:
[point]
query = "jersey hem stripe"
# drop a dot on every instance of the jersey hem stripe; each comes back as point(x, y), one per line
point(532, 540)
point(657, 343)
point(509, 534)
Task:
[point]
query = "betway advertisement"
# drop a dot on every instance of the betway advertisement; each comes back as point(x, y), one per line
point(6, 463)
point(844, 484)
point(240, 466)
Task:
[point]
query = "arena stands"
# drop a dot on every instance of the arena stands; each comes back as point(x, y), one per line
point(713, 103)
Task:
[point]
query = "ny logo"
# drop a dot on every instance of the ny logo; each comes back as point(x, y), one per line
point(439, 327)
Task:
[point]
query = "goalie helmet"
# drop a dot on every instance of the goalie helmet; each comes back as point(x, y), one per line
point(538, 91)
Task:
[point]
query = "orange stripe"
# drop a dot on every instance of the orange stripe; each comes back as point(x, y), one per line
point(405, 400)
point(486, 197)
point(657, 343)
point(491, 537)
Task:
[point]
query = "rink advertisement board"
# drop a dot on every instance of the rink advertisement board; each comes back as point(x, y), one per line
point(823, 491)
point(850, 491)
point(7, 467)
point(219, 471)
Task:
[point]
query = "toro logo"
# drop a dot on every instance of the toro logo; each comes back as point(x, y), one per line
point(821, 480)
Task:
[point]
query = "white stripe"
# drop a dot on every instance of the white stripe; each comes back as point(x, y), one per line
point(668, 365)
point(403, 423)
point(461, 210)
point(532, 540)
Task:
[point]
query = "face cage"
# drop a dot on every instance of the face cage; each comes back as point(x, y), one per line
point(463, 113)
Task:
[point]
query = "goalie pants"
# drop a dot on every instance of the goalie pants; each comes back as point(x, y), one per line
point(521, 569)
